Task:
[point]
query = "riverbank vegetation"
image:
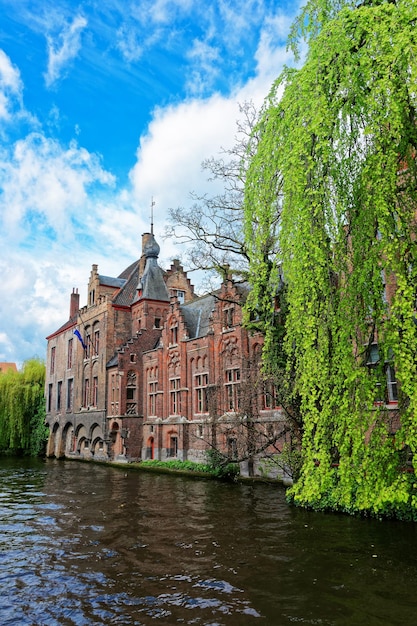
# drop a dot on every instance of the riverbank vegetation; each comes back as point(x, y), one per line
point(217, 466)
point(22, 410)
point(335, 163)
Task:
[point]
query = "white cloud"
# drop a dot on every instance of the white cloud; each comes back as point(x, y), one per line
point(59, 214)
point(45, 187)
point(180, 136)
point(163, 11)
point(11, 87)
point(128, 43)
point(64, 49)
point(204, 58)
point(61, 211)
point(177, 141)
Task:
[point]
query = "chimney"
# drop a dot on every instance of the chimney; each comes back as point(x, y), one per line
point(74, 303)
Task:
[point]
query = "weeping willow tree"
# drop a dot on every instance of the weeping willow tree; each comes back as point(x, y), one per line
point(337, 158)
point(22, 410)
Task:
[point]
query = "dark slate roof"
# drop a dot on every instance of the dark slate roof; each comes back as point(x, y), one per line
point(127, 293)
point(153, 283)
point(109, 281)
point(127, 272)
point(197, 315)
point(113, 361)
point(69, 324)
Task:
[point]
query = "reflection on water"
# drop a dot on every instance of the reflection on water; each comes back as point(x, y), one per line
point(84, 544)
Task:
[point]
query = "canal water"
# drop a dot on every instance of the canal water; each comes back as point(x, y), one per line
point(85, 544)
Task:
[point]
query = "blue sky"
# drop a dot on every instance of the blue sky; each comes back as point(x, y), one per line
point(105, 105)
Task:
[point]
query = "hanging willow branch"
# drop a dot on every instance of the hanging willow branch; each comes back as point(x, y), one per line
point(342, 141)
point(22, 409)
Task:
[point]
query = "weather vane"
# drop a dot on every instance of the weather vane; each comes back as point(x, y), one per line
point(152, 206)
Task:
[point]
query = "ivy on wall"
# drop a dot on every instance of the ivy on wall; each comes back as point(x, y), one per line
point(337, 161)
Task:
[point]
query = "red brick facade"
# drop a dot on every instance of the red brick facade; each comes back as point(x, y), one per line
point(162, 374)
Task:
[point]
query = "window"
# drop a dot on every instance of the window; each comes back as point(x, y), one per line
point(174, 335)
point(388, 391)
point(87, 342)
point(114, 398)
point(201, 399)
point(392, 384)
point(70, 393)
point(232, 389)
point(269, 396)
point(179, 294)
point(133, 358)
point(53, 351)
point(175, 396)
point(95, 391)
point(228, 317)
point(232, 448)
point(69, 354)
point(131, 393)
point(373, 354)
point(113, 388)
point(86, 395)
point(372, 363)
point(152, 392)
point(96, 342)
point(49, 404)
point(59, 396)
point(384, 287)
point(157, 323)
point(200, 430)
point(173, 447)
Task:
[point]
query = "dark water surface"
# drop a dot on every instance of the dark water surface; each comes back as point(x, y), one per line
point(91, 545)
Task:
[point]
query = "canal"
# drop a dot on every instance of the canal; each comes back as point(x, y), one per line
point(85, 544)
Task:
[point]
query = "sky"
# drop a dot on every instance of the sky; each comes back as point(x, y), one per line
point(106, 106)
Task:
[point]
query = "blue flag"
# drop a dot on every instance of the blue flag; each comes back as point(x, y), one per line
point(78, 334)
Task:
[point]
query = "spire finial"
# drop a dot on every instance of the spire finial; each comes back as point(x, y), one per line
point(152, 206)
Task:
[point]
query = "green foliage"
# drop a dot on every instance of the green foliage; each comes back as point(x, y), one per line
point(220, 466)
point(175, 464)
point(22, 410)
point(338, 140)
point(289, 460)
point(215, 466)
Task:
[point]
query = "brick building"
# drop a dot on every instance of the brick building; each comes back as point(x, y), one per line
point(6, 367)
point(147, 370)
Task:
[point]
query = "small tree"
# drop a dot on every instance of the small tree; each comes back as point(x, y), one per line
point(213, 226)
point(240, 434)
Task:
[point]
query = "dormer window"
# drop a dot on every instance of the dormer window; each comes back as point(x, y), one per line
point(179, 294)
